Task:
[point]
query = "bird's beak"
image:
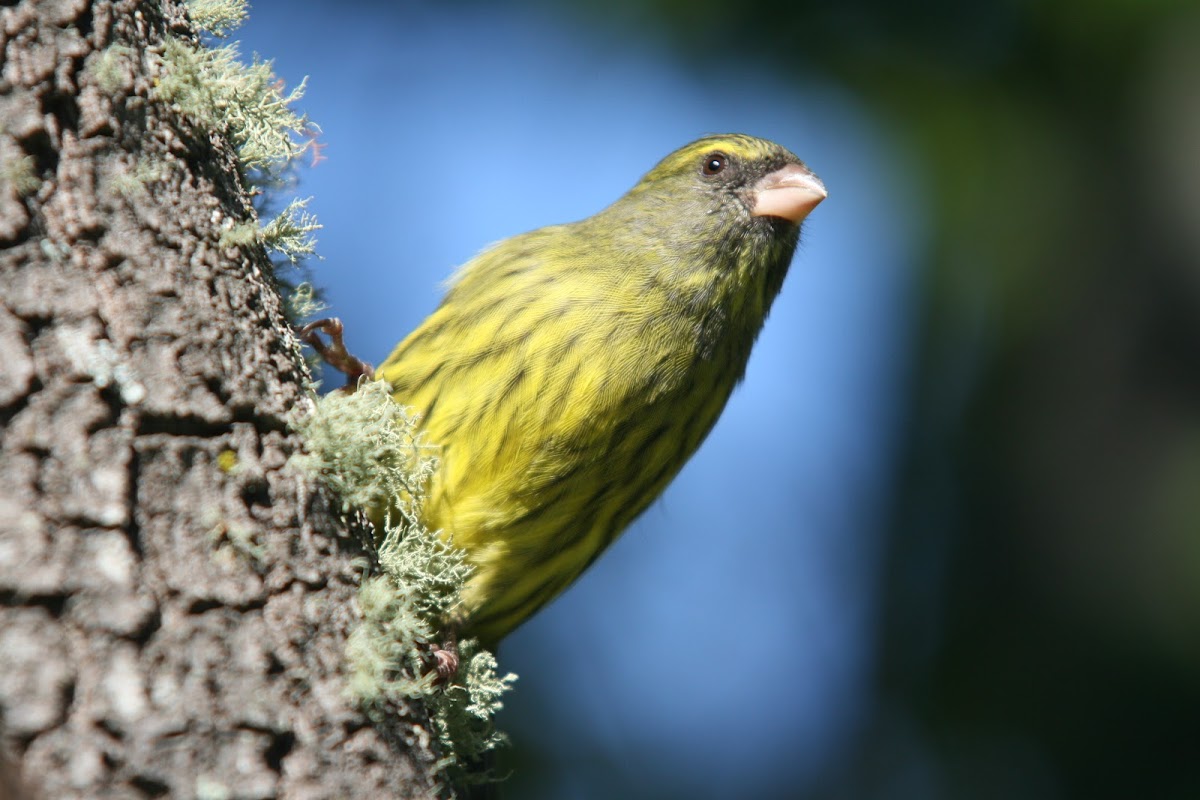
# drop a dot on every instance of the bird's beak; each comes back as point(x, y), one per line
point(789, 192)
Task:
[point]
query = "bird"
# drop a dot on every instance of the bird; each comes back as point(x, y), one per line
point(570, 372)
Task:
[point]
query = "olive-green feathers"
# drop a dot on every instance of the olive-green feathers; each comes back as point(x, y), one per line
point(570, 372)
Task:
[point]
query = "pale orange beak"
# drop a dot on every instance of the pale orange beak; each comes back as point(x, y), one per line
point(789, 192)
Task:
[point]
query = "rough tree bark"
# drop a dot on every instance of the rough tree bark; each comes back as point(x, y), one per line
point(174, 600)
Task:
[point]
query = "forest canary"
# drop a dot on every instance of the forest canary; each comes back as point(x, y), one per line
point(570, 372)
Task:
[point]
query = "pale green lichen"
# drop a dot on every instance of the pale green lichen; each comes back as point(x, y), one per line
point(366, 447)
point(56, 252)
point(111, 68)
point(304, 301)
point(218, 17)
point(99, 360)
point(465, 713)
point(20, 173)
point(290, 233)
point(130, 182)
point(240, 234)
point(239, 539)
point(215, 90)
point(211, 789)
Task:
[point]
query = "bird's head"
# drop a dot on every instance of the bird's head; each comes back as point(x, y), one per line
point(720, 216)
point(719, 197)
point(737, 175)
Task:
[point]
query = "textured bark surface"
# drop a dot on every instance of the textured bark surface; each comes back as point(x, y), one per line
point(174, 600)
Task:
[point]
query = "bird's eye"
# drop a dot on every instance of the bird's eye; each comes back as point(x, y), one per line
point(714, 163)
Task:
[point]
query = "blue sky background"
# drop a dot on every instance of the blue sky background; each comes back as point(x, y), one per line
point(721, 647)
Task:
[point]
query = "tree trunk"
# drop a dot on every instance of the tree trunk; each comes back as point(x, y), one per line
point(174, 599)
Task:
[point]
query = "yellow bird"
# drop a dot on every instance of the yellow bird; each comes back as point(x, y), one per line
point(570, 372)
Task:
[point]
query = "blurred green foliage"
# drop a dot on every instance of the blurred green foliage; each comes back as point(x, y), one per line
point(1040, 619)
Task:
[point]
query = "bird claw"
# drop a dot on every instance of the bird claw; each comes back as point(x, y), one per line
point(445, 664)
point(445, 659)
point(335, 353)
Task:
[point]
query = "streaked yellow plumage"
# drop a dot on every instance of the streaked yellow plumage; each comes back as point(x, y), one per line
point(570, 372)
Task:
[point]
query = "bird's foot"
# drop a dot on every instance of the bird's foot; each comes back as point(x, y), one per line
point(335, 353)
point(445, 659)
point(446, 664)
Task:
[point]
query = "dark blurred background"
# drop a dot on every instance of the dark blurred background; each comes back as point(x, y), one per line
point(945, 542)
